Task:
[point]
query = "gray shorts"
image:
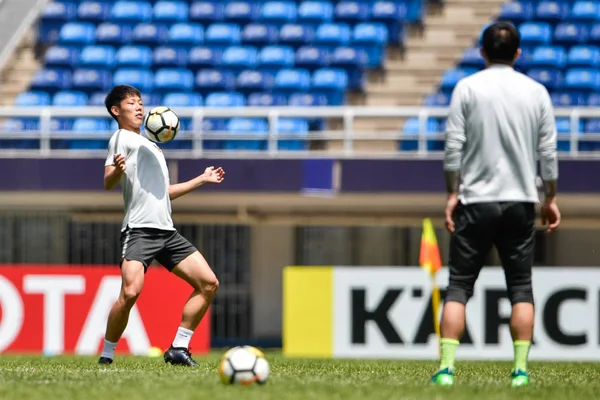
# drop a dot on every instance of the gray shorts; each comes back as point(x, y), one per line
point(169, 248)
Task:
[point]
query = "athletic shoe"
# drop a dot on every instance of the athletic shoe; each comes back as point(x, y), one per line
point(105, 360)
point(519, 378)
point(179, 356)
point(444, 377)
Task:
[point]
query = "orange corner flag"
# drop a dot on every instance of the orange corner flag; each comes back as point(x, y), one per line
point(429, 257)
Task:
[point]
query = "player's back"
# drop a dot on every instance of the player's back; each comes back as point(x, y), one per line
point(145, 183)
point(504, 115)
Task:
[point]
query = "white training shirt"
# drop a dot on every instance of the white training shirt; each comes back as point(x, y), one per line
point(145, 183)
point(500, 123)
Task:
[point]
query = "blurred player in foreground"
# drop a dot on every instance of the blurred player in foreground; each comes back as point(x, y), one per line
point(499, 122)
point(147, 231)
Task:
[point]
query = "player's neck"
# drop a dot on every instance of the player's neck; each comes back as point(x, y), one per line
point(131, 129)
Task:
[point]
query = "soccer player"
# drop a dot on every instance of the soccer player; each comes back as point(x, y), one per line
point(500, 122)
point(148, 233)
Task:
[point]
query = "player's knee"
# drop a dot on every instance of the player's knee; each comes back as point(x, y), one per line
point(459, 291)
point(211, 285)
point(130, 294)
point(520, 289)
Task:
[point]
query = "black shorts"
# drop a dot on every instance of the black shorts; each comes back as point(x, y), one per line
point(510, 226)
point(169, 248)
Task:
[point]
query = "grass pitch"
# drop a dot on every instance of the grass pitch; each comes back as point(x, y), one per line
point(132, 378)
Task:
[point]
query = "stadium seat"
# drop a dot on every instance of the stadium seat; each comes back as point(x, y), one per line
point(91, 80)
point(314, 12)
point(549, 56)
point(100, 56)
point(292, 134)
point(33, 99)
point(551, 11)
point(332, 82)
point(307, 100)
point(332, 35)
point(53, 17)
point(219, 34)
point(134, 56)
point(290, 80)
point(551, 78)
point(52, 80)
point(256, 127)
point(185, 35)
point(97, 126)
point(170, 12)
point(352, 12)
point(61, 56)
point(77, 34)
point(582, 79)
point(183, 100)
point(275, 58)
point(535, 33)
point(225, 99)
point(584, 12)
point(207, 12)
point(169, 57)
point(296, 35)
point(583, 57)
point(437, 100)
point(131, 12)
point(568, 34)
point(149, 34)
point(372, 38)
point(266, 99)
point(452, 76)
point(237, 58)
point(97, 99)
point(412, 128)
point(516, 12)
point(70, 99)
point(278, 12)
point(142, 79)
point(251, 81)
point(94, 11)
point(241, 12)
point(561, 99)
point(350, 59)
point(213, 80)
point(472, 58)
point(203, 57)
point(113, 34)
point(311, 58)
point(259, 35)
point(173, 79)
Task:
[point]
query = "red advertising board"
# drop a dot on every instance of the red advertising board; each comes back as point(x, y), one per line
point(63, 310)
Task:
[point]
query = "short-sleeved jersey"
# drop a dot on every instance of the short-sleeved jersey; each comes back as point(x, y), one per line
point(145, 183)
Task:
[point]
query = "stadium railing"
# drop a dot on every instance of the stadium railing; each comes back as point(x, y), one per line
point(347, 135)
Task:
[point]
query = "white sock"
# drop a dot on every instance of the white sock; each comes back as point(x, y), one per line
point(109, 349)
point(183, 337)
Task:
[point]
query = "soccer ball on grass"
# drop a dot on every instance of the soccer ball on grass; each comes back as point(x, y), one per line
point(244, 365)
point(162, 124)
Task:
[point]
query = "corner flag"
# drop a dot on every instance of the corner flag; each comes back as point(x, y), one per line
point(431, 261)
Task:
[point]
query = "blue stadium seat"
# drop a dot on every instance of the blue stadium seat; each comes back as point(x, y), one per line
point(241, 12)
point(516, 12)
point(307, 100)
point(561, 99)
point(274, 58)
point(551, 78)
point(290, 80)
point(593, 100)
point(523, 63)
point(33, 99)
point(237, 58)
point(91, 80)
point(52, 80)
point(173, 79)
point(296, 35)
point(472, 58)
point(259, 35)
point(223, 34)
point(99, 126)
point(149, 34)
point(61, 56)
point(411, 127)
point(113, 34)
point(278, 12)
point(131, 12)
point(311, 58)
point(97, 99)
point(549, 56)
point(372, 38)
point(535, 33)
point(100, 56)
point(133, 56)
point(352, 12)
point(568, 34)
point(594, 35)
point(169, 12)
point(142, 79)
point(452, 76)
point(295, 129)
point(225, 99)
point(77, 34)
point(183, 100)
point(151, 99)
point(214, 80)
point(332, 82)
point(247, 126)
point(251, 81)
point(582, 79)
point(52, 18)
point(584, 12)
point(436, 100)
point(332, 35)
point(207, 12)
point(186, 34)
point(584, 57)
point(203, 57)
point(391, 13)
point(94, 11)
point(169, 57)
point(551, 11)
point(592, 125)
point(266, 99)
point(70, 99)
point(315, 12)
point(350, 59)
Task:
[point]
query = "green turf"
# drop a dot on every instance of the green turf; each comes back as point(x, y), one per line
point(131, 378)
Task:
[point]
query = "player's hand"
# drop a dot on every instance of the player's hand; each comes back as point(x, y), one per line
point(212, 175)
point(550, 215)
point(451, 204)
point(119, 160)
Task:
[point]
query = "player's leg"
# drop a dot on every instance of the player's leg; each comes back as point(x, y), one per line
point(185, 261)
point(469, 245)
point(515, 243)
point(138, 252)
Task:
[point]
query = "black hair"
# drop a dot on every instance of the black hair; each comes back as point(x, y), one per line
point(501, 41)
point(117, 95)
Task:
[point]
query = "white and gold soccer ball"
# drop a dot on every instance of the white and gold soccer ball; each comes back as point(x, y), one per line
point(162, 124)
point(244, 365)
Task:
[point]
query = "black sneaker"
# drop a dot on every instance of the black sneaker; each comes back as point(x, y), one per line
point(179, 356)
point(105, 360)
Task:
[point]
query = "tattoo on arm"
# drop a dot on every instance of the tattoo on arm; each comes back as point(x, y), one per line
point(452, 181)
point(550, 189)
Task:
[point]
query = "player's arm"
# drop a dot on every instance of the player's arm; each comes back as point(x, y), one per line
point(113, 173)
point(547, 148)
point(210, 175)
point(455, 139)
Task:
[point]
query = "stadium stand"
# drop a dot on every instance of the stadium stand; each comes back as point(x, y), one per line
point(256, 53)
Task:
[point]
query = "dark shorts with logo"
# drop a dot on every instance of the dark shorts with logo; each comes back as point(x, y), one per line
point(510, 226)
point(169, 248)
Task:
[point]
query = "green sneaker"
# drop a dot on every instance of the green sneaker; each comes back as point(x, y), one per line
point(444, 377)
point(519, 378)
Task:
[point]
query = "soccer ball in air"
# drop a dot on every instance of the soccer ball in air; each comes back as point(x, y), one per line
point(243, 365)
point(162, 124)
